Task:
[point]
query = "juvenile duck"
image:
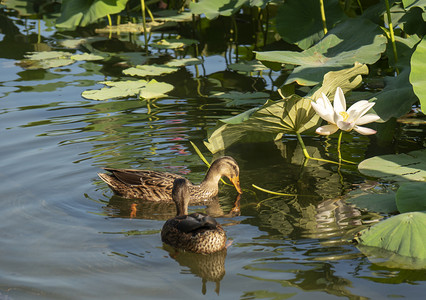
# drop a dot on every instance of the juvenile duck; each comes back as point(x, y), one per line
point(157, 186)
point(197, 232)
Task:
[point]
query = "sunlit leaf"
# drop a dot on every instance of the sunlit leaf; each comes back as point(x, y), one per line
point(411, 196)
point(403, 234)
point(396, 167)
point(83, 12)
point(87, 57)
point(173, 43)
point(418, 71)
point(116, 89)
point(356, 40)
point(155, 89)
point(149, 70)
point(169, 15)
point(184, 62)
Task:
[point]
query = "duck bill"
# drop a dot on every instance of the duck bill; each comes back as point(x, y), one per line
point(236, 182)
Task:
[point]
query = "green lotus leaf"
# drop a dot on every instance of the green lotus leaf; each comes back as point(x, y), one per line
point(414, 3)
point(47, 55)
point(83, 12)
point(173, 43)
point(87, 57)
point(248, 66)
point(418, 71)
point(402, 234)
point(149, 70)
point(184, 62)
point(169, 15)
point(356, 40)
point(306, 17)
point(237, 98)
point(213, 8)
point(154, 89)
point(380, 201)
point(396, 167)
point(411, 197)
point(116, 89)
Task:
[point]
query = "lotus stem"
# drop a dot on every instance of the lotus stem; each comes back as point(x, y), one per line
point(324, 23)
point(272, 192)
point(392, 35)
point(305, 152)
point(339, 142)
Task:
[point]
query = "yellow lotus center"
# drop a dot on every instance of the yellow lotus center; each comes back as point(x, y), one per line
point(345, 115)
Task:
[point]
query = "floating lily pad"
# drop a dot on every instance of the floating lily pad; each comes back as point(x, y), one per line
point(87, 57)
point(149, 70)
point(403, 234)
point(356, 40)
point(116, 89)
point(248, 67)
point(396, 167)
point(184, 62)
point(411, 196)
point(418, 70)
point(173, 43)
point(46, 60)
point(238, 98)
point(155, 90)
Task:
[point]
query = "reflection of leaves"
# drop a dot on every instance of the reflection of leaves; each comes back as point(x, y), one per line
point(396, 167)
point(349, 42)
point(402, 234)
point(238, 98)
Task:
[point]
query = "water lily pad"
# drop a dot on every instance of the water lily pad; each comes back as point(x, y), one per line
point(46, 60)
point(155, 90)
point(184, 62)
point(396, 167)
point(237, 98)
point(173, 43)
point(149, 70)
point(116, 89)
point(403, 234)
point(353, 41)
point(418, 70)
point(411, 196)
point(248, 66)
point(87, 57)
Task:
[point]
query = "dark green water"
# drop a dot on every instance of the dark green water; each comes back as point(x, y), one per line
point(65, 236)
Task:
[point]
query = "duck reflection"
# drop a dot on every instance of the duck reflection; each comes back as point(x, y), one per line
point(209, 267)
point(119, 207)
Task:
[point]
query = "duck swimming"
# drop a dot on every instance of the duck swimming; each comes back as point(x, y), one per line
point(157, 186)
point(197, 232)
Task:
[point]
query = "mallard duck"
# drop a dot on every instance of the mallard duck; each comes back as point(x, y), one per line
point(157, 186)
point(196, 232)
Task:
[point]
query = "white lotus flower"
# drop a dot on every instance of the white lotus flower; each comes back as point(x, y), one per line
point(340, 118)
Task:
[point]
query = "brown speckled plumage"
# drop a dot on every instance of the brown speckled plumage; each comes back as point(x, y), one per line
point(196, 232)
point(157, 186)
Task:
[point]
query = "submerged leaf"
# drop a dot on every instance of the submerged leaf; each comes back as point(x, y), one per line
point(403, 234)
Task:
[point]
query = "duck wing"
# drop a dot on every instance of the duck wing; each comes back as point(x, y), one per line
point(144, 177)
point(194, 222)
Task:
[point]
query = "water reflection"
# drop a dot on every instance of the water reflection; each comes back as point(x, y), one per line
point(209, 267)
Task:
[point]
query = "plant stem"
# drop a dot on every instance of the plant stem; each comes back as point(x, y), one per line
point(324, 23)
point(339, 141)
point(392, 36)
point(305, 152)
point(144, 25)
point(272, 192)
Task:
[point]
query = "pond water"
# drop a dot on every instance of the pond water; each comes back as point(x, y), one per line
point(64, 235)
